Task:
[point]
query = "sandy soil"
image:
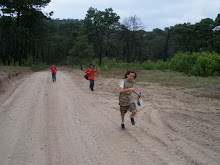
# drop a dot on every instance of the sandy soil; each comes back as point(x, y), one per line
point(64, 123)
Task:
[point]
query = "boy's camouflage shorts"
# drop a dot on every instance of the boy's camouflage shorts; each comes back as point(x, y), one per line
point(131, 107)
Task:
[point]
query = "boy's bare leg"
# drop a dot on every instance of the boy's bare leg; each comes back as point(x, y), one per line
point(133, 113)
point(132, 117)
point(122, 117)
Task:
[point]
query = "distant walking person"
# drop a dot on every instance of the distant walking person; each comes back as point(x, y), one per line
point(126, 100)
point(91, 75)
point(54, 71)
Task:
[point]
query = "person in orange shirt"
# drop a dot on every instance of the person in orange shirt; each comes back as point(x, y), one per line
point(91, 75)
point(54, 71)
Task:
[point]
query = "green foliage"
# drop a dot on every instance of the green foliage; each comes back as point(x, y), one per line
point(68, 61)
point(81, 51)
point(182, 62)
point(148, 65)
point(161, 65)
point(35, 66)
point(95, 62)
point(17, 63)
point(38, 66)
point(98, 25)
point(27, 62)
point(197, 64)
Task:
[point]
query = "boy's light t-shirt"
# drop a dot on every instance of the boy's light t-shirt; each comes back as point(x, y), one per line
point(121, 84)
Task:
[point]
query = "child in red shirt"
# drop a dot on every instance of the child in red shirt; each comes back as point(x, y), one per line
point(54, 71)
point(91, 75)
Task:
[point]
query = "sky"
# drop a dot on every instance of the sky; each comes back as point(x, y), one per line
point(152, 13)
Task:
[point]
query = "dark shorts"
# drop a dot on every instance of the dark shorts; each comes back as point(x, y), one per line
point(131, 107)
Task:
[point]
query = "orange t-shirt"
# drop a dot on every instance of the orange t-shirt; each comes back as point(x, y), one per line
point(92, 74)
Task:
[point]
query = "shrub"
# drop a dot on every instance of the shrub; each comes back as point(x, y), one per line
point(197, 64)
point(161, 65)
point(206, 65)
point(182, 62)
point(148, 65)
point(27, 62)
point(38, 66)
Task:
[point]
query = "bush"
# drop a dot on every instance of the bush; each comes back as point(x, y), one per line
point(183, 62)
point(148, 65)
point(197, 64)
point(38, 66)
point(161, 65)
point(113, 63)
point(27, 62)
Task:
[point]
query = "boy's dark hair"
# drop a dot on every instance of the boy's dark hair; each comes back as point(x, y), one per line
point(130, 71)
point(90, 65)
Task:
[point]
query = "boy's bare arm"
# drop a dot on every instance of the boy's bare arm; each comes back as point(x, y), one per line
point(129, 90)
point(124, 90)
point(135, 93)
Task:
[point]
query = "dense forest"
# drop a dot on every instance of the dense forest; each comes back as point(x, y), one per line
point(27, 36)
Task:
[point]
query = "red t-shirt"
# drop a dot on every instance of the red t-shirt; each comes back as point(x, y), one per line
point(53, 69)
point(91, 76)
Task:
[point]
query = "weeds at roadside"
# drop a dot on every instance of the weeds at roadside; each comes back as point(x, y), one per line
point(211, 96)
point(13, 69)
point(166, 78)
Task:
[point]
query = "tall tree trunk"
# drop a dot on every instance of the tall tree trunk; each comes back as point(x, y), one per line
point(42, 54)
point(166, 44)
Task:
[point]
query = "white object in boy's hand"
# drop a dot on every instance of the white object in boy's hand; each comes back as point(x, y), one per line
point(139, 100)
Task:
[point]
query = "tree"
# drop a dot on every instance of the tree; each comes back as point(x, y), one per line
point(97, 25)
point(81, 51)
point(20, 11)
point(133, 25)
point(6, 39)
point(156, 44)
point(216, 34)
point(204, 34)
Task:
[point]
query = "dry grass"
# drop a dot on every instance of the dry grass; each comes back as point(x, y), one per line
point(208, 87)
point(13, 69)
point(211, 96)
point(180, 79)
point(167, 78)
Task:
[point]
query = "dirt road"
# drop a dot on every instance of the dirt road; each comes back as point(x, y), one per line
point(63, 123)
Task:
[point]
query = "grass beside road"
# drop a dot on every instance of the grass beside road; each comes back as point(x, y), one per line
point(13, 69)
point(167, 78)
point(173, 79)
point(179, 79)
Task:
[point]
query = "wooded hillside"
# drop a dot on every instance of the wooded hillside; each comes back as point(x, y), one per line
point(27, 37)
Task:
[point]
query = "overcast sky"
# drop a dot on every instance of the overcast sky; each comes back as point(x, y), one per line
point(152, 13)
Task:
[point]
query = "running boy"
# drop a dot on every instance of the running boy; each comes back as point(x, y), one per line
point(126, 100)
point(54, 71)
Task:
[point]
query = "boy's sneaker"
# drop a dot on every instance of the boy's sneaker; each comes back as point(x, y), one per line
point(123, 126)
point(132, 121)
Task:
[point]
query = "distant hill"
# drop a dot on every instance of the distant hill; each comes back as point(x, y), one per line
point(61, 21)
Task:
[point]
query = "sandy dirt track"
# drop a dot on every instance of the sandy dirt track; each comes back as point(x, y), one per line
point(64, 123)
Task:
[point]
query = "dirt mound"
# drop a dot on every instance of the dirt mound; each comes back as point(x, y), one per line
point(7, 80)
